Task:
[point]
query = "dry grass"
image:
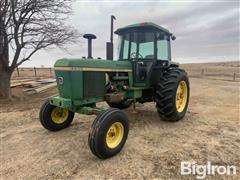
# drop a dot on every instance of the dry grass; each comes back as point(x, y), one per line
point(154, 149)
point(221, 71)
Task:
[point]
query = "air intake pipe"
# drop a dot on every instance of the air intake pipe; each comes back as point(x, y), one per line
point(89, 37)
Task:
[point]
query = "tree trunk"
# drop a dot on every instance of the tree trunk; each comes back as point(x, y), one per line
point(5, 89)
point(5, 70)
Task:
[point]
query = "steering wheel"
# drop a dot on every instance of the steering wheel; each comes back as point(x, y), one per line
point(135, 55)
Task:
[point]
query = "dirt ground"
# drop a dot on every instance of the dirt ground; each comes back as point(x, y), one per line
point(154, 149)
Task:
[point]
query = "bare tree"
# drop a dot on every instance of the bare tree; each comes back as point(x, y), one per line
point(27, 26)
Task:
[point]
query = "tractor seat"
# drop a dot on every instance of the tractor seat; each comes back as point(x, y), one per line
point(150, 56)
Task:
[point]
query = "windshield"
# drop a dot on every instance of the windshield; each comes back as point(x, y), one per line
point(146, 45)
point(136, 45)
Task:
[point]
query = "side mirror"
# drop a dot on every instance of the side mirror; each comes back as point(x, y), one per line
point(173, 37)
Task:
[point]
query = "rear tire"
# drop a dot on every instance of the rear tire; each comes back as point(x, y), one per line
point(108, 133)
point(172, 95)
point(54, 118)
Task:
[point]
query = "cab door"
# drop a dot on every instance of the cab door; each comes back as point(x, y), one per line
point(141, 72)
point(144, 58)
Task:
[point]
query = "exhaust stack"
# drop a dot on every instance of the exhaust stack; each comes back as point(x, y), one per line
point(89, 37)
point(109, 46)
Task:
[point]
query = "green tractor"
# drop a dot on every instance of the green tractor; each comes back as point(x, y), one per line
point(143, 73)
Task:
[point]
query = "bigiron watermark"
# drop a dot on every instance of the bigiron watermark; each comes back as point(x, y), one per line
point(202, 171)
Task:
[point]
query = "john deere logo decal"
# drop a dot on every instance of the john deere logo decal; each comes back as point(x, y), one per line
point(60, 80)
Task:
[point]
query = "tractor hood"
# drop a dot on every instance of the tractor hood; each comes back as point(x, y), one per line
point(81, 79)
point(92, 65)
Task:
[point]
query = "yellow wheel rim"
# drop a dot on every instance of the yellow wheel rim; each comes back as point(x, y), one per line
point(59, 115)
point(114, 135)
point(181, 96)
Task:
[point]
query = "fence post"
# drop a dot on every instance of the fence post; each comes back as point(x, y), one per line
point(17, 71)
point(50, 69)
point(35, 71)
point(202, 73)
point(234, 76)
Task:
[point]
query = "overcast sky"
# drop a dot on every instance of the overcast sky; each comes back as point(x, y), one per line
point(206, 31)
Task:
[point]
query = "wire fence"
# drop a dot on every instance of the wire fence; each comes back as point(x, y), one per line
point(198, 73)
point(214, 74)
point(33, 72)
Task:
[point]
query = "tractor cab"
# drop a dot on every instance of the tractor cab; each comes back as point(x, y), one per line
point(144, 45)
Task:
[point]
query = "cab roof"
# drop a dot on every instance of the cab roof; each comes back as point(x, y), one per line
point(142, 26)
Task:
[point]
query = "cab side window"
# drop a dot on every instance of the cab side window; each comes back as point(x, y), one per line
point(162, 47)
point(125, 47)
point(133, 43)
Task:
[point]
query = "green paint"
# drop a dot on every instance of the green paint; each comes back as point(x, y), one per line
point(68, 104)
point(134, 93)
point(89, 110)
point(117, 78)
point(72, 84)
point(93, 63)
point(130, 75)
point(61, 102)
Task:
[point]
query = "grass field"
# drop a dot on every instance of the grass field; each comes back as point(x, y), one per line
point(221, 71)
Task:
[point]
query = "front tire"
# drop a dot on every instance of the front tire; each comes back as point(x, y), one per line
point(54, 118)
point(108, 133)
point(172, 95)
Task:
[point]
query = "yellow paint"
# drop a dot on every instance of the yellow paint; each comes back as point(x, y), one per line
point(106, 79)
point(59, 115)
point(114, 135)
point(181, 96)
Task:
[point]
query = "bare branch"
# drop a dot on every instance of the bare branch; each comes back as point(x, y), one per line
point(31, 25)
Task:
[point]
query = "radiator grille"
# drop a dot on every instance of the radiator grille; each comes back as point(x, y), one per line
point(94, 84)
